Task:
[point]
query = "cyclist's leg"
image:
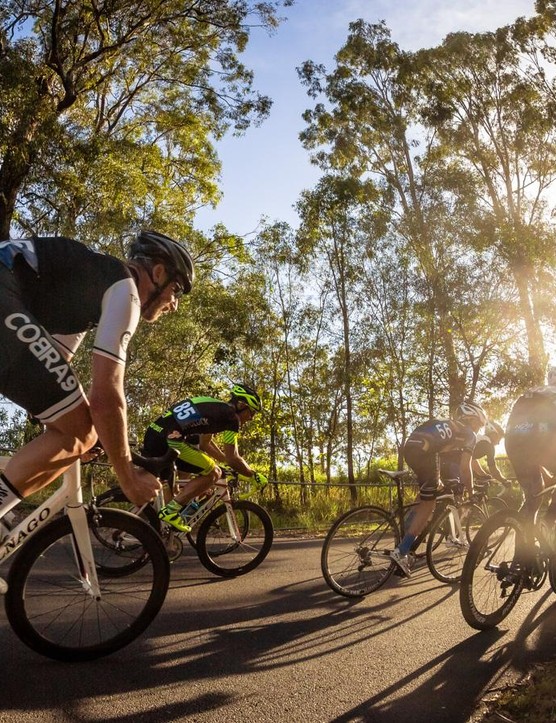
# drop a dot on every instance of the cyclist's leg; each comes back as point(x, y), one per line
point(205, 469)
point(191, 460)
point(47, 456)
point(427, 469)
point(524, 453)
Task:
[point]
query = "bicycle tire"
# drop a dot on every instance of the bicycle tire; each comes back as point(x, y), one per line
point(493, 578)
point(114, 498)
point(474, 516)
point(50, 611)
point(355, 557)
point(552, 572)
point(220, 554)
point(446, 551)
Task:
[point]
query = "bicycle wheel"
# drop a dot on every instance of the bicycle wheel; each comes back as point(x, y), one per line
point(355, 557)
point(493, 574)
point(127, 547)
point(242, 519)
point(223, 555)
point(473, 517)
point(552, 572)
point(49, 608)
point(447, 546)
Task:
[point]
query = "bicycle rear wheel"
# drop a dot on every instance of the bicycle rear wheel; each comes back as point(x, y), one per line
point(494, 571)
point(49, 608)
point(221, 553)
point(355, 558)
point(447, 546)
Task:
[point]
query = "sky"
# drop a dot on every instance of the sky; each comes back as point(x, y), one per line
point(264, 171)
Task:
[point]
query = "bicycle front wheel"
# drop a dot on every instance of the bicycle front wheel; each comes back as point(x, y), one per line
point(355, 558)
point(242, 519)
point(221, 552)
point(447, 546)
point(48, 604)
point(494, 571)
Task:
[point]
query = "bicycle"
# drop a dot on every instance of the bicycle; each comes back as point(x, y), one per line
point(65, 598)
point(501, 563)
point(355, 557)
point(231, 539)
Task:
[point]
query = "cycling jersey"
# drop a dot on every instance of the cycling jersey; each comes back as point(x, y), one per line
point(180, 426)
point(428, 443)
point(530, 438)
point(52, 291)
point(442, 435)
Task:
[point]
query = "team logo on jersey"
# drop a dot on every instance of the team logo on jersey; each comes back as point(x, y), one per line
point(41, 347)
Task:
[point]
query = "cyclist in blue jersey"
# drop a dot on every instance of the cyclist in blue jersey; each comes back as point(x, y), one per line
point(52, 291)
point(189, 427)
point(422, 452)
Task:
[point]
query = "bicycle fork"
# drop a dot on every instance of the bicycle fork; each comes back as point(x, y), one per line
point(83, 550)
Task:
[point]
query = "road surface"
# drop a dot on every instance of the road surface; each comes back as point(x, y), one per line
point(278, 645)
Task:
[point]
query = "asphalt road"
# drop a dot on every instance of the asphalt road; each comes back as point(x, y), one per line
point(278, 645)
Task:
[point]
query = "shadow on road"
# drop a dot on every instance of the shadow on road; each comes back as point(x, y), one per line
point(211, 629)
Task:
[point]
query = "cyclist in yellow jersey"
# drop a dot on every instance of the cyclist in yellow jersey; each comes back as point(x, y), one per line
point(189, 427)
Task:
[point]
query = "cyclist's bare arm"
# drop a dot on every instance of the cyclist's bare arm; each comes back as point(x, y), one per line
point(109, 415)
point(209, 446)
point(465, 471)
point(236, 461)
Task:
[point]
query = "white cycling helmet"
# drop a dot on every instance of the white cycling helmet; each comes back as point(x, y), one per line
point(470, 410)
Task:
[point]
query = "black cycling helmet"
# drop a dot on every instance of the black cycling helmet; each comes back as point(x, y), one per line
point(248, 395)
point(470, 410)
point(157, 247)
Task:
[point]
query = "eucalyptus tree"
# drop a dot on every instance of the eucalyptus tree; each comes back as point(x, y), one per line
point(370, 126)
point(131, 88)
point(337, 217)
point(494, 113)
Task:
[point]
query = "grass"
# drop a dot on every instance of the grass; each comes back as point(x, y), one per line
point(532, 700)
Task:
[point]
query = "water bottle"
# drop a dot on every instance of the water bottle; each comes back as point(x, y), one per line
point(190, 510)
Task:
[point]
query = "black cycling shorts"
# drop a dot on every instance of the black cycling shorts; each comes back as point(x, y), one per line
point(191, 460)
point(33, 373)
point(426, 466)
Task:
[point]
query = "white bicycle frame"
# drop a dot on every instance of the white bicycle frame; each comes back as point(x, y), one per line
point(221, 492)
point(69, 497)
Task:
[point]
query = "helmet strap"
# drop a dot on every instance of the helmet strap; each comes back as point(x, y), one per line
point(158, 288)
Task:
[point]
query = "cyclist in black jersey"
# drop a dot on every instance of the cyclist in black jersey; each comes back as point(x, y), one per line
point(422, 452)
point(52, 291)
point(531, 447)
point(486, 449)
point(189, 427)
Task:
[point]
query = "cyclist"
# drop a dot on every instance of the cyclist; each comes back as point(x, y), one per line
point(531, 448)
point(422, 454)
point(189, 427)
point(485, 447)
point(52, 290)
